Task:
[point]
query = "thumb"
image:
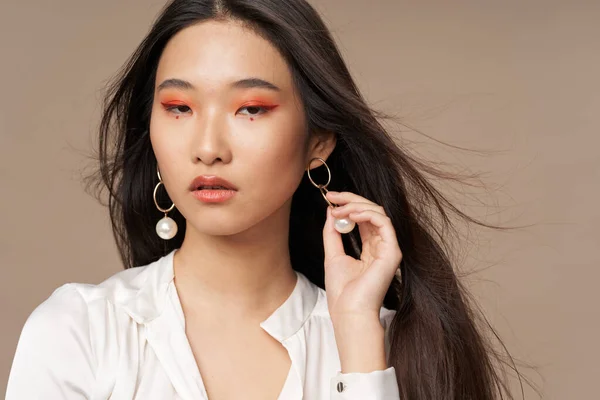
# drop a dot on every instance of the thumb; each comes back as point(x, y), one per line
point(332, 239)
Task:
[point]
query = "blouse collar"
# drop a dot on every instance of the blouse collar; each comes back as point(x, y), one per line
point(143, 296)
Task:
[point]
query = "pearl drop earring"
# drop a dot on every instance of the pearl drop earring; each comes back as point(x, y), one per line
point(342, 225)
point(166, 228)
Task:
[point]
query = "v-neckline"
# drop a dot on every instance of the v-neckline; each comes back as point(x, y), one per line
point(292, 385)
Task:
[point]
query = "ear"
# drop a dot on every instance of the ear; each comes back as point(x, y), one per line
point(321, 145)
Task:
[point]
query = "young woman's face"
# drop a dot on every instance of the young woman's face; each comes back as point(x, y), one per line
point(232, 112)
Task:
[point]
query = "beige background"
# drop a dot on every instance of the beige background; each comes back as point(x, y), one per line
point(516, 77)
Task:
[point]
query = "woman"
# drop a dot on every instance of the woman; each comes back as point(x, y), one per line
point(244, 113)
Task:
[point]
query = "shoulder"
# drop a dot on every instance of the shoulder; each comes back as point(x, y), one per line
point(62, 342)
point(65, 311)
point(54, 343)
point(135, 292)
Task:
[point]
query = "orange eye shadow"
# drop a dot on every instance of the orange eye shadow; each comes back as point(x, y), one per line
point(173, 103)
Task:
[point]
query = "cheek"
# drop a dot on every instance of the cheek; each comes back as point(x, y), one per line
point(278, 167)
point(158, 141)
point(280, 142)
point(167, 150)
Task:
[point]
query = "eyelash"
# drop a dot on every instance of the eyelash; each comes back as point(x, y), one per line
point(265, 108)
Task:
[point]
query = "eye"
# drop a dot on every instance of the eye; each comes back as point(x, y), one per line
point(176, 108)
point(254, 110)
point(179, 108)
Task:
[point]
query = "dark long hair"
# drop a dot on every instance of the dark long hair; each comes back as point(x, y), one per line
point(438, 346)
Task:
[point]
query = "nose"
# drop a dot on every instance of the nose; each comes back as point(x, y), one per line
point(210, 140)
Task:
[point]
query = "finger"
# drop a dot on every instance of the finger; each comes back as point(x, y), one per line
point(383, 223)
point(345, 210)
point(386, 231)
point(346, 197)
point(332, 239)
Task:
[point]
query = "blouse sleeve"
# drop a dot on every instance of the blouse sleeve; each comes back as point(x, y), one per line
point(54, 359)
point(375, 385)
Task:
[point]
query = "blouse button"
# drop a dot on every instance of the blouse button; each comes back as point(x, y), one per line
point(340, 387)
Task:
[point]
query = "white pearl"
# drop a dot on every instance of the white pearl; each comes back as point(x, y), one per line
point(166, 228)
point(344, 225)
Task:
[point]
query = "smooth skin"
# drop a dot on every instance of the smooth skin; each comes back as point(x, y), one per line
point(233, 269)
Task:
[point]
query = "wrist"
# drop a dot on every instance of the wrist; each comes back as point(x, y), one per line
point(360, 343)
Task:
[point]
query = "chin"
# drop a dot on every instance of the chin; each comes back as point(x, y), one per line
point(238, 220)
point(219, 226)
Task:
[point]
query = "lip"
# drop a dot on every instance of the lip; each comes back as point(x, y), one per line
point(213, 196)
point(211, 180)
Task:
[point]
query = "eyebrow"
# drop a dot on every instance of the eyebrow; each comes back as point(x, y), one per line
point(240, 84)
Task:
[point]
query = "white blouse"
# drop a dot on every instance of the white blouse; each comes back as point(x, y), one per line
point(125, 339)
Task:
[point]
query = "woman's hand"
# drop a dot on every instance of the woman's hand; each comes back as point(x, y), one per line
point(356, 288)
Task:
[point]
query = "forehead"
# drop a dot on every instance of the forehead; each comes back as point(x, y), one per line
point(211, 54)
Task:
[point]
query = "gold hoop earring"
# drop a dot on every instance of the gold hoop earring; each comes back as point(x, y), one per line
point(342, 225)
point(166, 228)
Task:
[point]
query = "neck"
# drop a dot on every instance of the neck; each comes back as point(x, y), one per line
point(247, 275)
